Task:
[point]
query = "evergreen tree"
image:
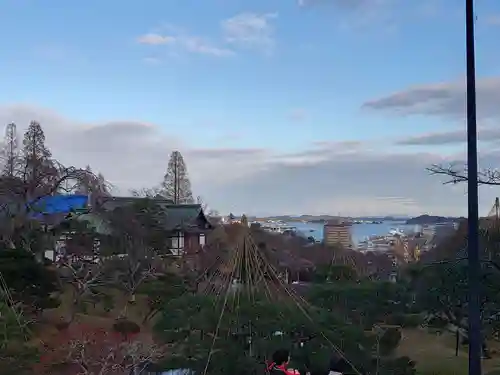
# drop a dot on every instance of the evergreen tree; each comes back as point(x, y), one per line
point(176, 185)
point(29, 281)
point(39, 169)
point(10, 156)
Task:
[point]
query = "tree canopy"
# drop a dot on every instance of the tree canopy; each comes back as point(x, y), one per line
point(176, 185)
point(248, 331)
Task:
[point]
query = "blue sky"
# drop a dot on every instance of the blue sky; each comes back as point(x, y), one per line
point(277, 75)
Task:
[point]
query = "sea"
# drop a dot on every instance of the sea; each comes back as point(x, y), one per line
point(359, 232)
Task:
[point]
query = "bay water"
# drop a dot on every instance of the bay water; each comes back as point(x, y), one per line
point(359, 232)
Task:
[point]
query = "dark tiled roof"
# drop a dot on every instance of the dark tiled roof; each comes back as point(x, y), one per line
point(112, 203)
point(179, 216)
point(186, 216)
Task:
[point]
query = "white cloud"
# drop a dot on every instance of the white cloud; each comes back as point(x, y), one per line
point(201, 46)
point(328, 177)
point(155, 39)
point(250, 30)
point(244, 30)
point(184, 42)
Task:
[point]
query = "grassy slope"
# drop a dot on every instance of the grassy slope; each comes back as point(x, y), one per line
point(435, 355)
point(97, 317)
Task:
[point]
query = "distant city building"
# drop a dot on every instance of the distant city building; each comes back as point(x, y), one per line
point(337, 233)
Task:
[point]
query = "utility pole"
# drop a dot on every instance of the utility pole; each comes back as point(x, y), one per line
point(475, 342)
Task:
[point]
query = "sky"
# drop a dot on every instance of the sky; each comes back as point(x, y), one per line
point(278, 106)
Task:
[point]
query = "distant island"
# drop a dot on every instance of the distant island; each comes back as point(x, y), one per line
point(325, 218)
point(428, 219)
point(301, 218)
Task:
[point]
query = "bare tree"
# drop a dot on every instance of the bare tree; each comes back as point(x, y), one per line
point(80, 265)
point(456, 173)
point(102, 185)
point(10, 151)
point(84, 186)
point(21, 202)
point(138, 237)
point(202, 203)
point(94, 186)
point(176, 185)
point(86, 350)
point(154, 192)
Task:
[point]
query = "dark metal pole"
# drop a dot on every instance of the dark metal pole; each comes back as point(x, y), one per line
point(473, 222)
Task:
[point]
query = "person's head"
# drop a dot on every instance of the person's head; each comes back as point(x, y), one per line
point(338, 364)
point(281, 356)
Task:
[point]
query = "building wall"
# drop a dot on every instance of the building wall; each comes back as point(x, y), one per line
point(337, 233)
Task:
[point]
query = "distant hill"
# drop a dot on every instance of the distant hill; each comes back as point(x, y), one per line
point(309, 218)
point(428, 219)
point(325, 218)
point(381, 218)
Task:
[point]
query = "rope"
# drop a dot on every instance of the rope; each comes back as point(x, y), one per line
point(297, 298)
point(4, 289)
point(249, 260)
point(221, 314)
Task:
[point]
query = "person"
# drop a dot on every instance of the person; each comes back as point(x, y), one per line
point(338, 365)
point(278, 366)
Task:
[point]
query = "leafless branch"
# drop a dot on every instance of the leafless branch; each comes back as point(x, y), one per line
point(20, 197)
point(83, 276)
point(146, 192)
point(138, 236)
point(458, 173)
point(101, 353)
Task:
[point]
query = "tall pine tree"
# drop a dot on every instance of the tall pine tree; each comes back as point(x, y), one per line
point(176, 185)
point(39, 168)
point(10, 151)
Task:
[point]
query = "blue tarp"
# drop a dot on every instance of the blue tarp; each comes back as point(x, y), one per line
point(59, 204)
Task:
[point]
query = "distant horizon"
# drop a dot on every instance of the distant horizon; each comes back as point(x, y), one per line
point(352, 217)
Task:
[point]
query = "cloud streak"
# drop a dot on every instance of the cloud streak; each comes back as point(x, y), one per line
point(250, 30)
point(441, 99)
point(327, 177)
point(359, 14)
point(452, 137)
point(188, 43)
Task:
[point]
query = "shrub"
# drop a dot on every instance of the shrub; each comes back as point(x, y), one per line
point(126, 327)
point(389, 339)
point(95, 350)
point(397, 366)
point(405, 320)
